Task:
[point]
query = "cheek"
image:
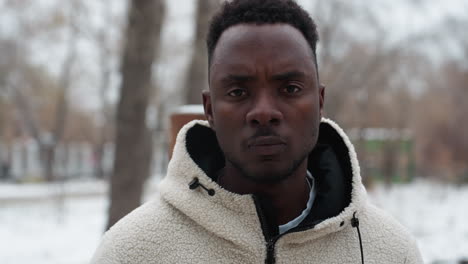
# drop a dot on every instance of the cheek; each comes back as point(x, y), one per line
point(306, 121)
point(227, 114)
point(228, 122)
point(306, 110)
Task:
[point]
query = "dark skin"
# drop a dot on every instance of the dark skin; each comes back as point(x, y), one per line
point(265, 106)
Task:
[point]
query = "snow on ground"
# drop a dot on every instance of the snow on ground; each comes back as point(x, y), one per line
point(48, 232)
point(12, 192)
point(436, 214)
point(52, 223)
point(41, 226)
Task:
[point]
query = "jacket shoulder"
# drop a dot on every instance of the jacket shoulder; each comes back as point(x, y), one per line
point(138, 236)
point(385, 233)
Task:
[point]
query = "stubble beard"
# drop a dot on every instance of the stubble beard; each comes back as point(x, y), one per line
point(268, 177)
point(276, 176)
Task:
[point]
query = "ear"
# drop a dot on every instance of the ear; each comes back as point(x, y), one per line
point(208, 107)
point(322, 98)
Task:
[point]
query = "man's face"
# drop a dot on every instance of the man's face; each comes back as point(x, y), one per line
point(264, 101)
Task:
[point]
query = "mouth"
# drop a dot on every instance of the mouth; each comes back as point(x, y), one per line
point(267, 145)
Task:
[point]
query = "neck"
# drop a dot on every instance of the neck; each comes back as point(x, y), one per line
point(288, 197)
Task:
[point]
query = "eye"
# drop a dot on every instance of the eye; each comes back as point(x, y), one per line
point(292, 89)
point(237, 93)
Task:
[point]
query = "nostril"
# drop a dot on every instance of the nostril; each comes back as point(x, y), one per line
point(263, 118)
point(255, 122)
point(264, 112)
point(265, 122)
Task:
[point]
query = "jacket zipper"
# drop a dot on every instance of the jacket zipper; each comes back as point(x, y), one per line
point(270, 241)
point(270, 246)
point(270, 258)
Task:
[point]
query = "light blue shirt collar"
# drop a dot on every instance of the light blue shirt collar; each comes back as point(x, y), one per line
point(296, 221)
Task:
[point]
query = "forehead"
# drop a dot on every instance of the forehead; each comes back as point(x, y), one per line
point(248, 44)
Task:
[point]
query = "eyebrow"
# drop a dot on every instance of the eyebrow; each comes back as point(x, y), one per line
point(237, 78)
point(277, 77)
point(289, 75)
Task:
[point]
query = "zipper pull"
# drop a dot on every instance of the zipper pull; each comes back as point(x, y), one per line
point(270, 245)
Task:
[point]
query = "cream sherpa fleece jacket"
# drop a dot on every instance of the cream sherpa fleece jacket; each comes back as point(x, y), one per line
point(184, 225)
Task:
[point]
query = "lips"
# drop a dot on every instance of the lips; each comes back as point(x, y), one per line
point(266, 145)
point(266, 141)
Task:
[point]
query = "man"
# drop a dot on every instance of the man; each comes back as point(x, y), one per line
point(266, 179)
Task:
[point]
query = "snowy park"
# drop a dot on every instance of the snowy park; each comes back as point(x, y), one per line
point(63, 223)
point(81, 102)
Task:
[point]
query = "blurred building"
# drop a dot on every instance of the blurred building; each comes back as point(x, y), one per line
point(21, 160)
point(385, 154)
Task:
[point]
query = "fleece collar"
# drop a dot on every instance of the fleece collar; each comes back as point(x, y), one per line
point(333, 163)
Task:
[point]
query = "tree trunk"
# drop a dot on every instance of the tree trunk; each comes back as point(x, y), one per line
point(99, 172)
point(48, 160)
point(106, 130)
point(197, 76)
point(390, 163)
point(131, 165)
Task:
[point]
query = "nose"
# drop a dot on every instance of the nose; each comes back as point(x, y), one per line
point(264, 112)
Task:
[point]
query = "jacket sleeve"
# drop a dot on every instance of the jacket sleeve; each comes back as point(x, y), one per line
point(133, 239)
point(108, 252)
point(413, 255)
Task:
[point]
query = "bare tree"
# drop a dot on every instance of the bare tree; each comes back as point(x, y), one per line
point(360, 70)
point(48, 146)
point(133, 140)
point(107, 49)
point(197, 76)
point(46, 139)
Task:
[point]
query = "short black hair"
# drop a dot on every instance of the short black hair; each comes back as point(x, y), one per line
point(261, 12)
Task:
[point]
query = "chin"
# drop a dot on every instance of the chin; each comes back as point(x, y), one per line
point(269, 174)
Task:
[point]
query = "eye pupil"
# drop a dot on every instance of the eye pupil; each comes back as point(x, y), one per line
point(291, 89)
point(236, 93)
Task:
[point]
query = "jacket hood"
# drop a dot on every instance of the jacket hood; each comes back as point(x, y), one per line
point(333, 163)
